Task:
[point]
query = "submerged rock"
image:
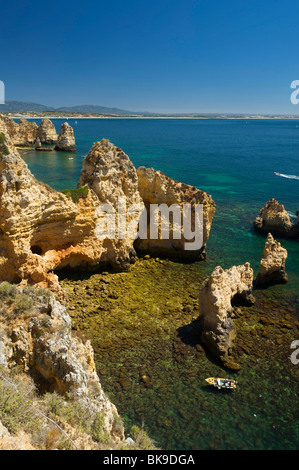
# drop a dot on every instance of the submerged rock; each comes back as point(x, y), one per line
point(66, 139)
point(216, 297)
point(274, 218)
point(272, 267)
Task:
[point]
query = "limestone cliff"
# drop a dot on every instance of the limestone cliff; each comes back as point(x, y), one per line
point(42, 230)
point(23, 133)
point(46, 132)
point(66, 139)
point(111, 176)
point(216, 298)
point(272, 266)
point(156, 188)
point(36, 336)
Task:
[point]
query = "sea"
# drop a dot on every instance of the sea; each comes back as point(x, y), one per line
point(235, 161)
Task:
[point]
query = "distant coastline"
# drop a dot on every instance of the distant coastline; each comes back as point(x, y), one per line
point(29, 110)
point(96, 116)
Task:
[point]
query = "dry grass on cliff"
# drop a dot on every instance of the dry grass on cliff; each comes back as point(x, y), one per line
point(50, 421)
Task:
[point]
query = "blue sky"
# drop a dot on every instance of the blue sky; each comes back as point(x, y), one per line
point(164, 56)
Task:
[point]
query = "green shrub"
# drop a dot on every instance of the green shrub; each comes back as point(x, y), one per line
point(97, 431)
point(3, 147)
point(23, 303)
point(7, 291)
point(37, 291)
point(68, 410)
point(15, 412)
point(142, 440)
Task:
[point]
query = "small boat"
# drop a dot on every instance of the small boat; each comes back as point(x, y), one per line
point(226, 384)
point(277, 174)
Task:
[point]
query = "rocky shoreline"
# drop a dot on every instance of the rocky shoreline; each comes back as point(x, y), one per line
point(26, 134)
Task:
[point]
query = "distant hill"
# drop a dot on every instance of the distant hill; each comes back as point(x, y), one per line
point(19, 107)
point(24, 107)
point(94, 109)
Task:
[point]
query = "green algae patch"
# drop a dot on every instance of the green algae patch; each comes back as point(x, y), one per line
point(144, 328)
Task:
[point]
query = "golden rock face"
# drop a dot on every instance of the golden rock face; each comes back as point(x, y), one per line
point(272, 266)
point(274, 218)
point(215, 306)
point(157, 189)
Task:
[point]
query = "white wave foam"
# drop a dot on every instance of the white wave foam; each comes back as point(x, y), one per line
point(292, 177)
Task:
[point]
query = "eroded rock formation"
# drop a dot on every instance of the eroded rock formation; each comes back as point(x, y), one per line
point(156, 188)
point(41, 343)
point(46, 132)
point(272, 267)
point(23, 133)
point(111, 176)
point(66, 139)
point(274, 218)
point(29, 134)
point(42, 230)
point(217, 296)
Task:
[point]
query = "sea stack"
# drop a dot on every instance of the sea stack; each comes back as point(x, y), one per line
point(47, 132)
point(66, 139)
point(27, 132)
point(272, 267)
point(216, 299)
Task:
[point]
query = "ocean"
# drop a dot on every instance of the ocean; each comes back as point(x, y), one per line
point(234, 160)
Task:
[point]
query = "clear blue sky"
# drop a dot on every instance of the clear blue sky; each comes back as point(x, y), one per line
point(164, 56)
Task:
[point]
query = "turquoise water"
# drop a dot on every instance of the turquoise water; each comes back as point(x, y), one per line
point(234, 160)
